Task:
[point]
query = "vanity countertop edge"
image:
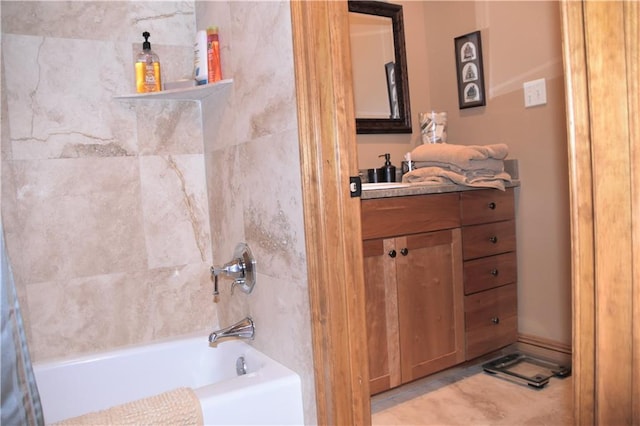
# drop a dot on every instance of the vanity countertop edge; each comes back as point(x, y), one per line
point(422, 189)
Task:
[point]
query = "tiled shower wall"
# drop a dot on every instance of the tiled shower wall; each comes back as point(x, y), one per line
point(104, 201)
point(114, 210)
point(253, 173)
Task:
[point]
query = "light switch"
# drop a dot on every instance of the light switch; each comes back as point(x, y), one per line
point(535, 93)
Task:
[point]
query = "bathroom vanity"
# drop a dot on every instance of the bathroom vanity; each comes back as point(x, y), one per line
point(440, 278)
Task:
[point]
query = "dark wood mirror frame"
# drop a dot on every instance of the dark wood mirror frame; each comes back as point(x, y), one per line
point(389, 125)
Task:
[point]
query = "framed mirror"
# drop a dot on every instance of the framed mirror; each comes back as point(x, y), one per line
point(379, 64)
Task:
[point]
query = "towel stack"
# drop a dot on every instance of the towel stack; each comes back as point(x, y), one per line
point(469, 165)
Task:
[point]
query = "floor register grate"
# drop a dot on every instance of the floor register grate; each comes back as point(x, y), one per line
point(526, 370)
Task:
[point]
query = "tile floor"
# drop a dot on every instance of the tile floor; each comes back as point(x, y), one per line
point(465, 395)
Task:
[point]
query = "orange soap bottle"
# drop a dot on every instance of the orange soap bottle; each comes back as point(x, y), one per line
point(213, 55)
point(148, 77)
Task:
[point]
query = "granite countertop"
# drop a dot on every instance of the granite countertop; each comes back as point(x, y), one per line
point(422, 189)
point(510, 166)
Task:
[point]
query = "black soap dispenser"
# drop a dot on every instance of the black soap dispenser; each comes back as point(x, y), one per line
point(388, 169)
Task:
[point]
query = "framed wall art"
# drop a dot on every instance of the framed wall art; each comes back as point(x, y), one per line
point(469, 70)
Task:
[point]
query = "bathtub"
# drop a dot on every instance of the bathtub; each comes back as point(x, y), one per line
point(268, 393)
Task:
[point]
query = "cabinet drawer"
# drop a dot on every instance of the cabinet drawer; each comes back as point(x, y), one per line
point(490, 205)
point(489, 272)
point(491, 320)
point(488, 239)
point(387, 217)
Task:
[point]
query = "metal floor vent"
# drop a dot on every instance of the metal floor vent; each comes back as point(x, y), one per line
point(526, 370)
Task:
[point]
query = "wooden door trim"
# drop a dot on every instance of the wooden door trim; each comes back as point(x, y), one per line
point(600, 49)
point(326, 127)
point(632, 25)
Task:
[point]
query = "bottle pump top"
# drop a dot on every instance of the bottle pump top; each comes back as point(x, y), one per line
point(387, 159)
point(146, 45)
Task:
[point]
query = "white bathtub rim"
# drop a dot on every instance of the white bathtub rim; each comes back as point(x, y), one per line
point(133, 348)
point(272, 374)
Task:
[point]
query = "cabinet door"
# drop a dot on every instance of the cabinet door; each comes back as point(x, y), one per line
point(430, 302)
point(382, 315)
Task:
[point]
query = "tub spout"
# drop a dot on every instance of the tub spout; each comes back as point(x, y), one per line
point(243, 329)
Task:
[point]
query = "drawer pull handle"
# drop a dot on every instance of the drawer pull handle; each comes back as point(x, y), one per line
point(495, 320)
point(492, 205)
point(493, 239)
point(404, 251)
point(392, 253)
point(494, 272)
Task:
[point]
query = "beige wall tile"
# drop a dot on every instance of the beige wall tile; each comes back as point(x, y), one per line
point(169, 127)
point(44, 74)
point(174, 202)
point(102, 312)
point(78, 217)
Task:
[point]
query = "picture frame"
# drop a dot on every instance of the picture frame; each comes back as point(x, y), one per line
point(390, 69)
point(469, 70)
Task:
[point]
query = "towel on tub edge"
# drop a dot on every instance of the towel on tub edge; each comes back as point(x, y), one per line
point(176, 407)
point(464, 157)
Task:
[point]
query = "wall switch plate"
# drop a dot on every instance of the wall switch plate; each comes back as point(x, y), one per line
point(535, 93)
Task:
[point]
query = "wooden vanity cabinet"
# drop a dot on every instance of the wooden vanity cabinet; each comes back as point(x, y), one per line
point(440, 281)
point(490, 270)
point(413, 287)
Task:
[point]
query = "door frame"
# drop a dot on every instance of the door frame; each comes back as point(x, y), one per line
point(328, 157)
point(602, 73)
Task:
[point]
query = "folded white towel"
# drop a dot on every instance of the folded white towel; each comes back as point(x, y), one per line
point(440, 175)
point(491, 164)
point(465, 157)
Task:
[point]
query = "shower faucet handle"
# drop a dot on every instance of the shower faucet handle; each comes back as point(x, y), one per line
point(242, 269)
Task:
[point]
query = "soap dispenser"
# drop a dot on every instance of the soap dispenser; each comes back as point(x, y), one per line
point(147, 68)
point(388, 169)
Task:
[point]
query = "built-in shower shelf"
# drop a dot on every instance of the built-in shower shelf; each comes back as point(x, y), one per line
point(195, 93)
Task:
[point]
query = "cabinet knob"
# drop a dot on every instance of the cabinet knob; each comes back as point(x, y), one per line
point(392, 253)
point(494, 272)
point(404, 251)
point(492, 205)
point(495, 320)
point(493, 239)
